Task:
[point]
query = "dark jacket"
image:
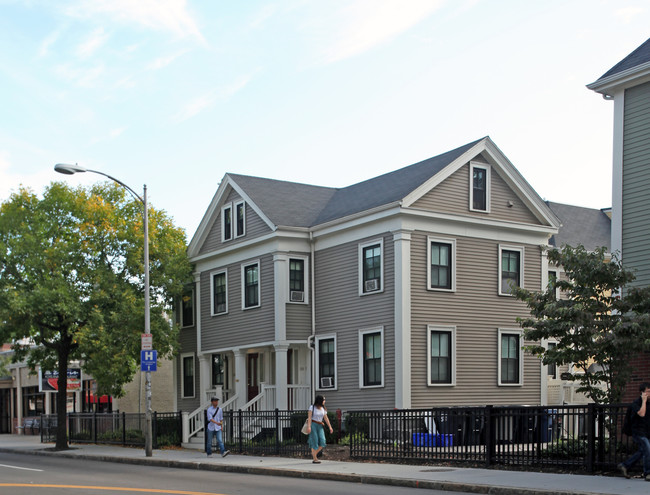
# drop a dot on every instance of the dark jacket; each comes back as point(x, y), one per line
point(640, 425)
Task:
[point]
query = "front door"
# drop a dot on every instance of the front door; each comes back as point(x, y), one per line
point(252, 376)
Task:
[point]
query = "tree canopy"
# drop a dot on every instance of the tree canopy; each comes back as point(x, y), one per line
point(72, 281)
point(598, 319)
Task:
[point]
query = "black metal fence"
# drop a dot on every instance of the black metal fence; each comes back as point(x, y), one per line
point(569, 437)
point(264, 432)
point(116, 428)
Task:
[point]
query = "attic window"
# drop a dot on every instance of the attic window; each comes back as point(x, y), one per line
point(240, 219)
point(226, 222)
point(479, 187)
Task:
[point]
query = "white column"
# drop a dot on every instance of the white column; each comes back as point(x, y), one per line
point(240, 378)
point(47, 404)
point(281, 387)
point(281, 280)
point(543, 400)
point(197, 310)
point(205, 376)
point(19, 400)
point(617, 174)
point(402, 240)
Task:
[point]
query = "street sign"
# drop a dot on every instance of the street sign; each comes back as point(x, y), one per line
point(146, 342)
point(148, 360)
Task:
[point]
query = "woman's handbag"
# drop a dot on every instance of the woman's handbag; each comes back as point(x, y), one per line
point(303, 430)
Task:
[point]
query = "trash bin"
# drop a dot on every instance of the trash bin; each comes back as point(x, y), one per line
point(474, 428)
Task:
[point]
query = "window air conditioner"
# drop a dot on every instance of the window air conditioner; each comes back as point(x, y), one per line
point(297, 296)
point(326, 382)
point(371, 285)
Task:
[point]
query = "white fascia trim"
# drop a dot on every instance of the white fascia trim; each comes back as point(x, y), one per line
point(356, 219)
point(318, 338)
point(182, 371)
point(251, 203)
point(623, 78)
point(258, 346)
point(362, 332)
point(362, 246)
point(452, 243)
point(243, 284)
point(212, 275)
point(194, 315)
point(519, 332)
point(305, 259)
point(522, 265)
point(488, 185)
point(236, 205)
point(445, 173)
point(617, 175)
point(452, 331)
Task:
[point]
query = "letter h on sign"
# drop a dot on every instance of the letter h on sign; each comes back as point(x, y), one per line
point(148, 360)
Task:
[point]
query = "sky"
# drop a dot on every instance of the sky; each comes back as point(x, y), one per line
point(176, 93)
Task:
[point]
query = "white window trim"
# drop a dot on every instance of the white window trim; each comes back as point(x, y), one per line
point(488, 187)
point(519, 332)
point(234, 223)
point(212, 275)
point(183, 356)
point(363, 332)
point(549, 377)
point(521, 250)
point(243, 284)
point(442, 240)
point(452, 331)
point(183, 325)
point(306, 273)
point(379, 241)
point(223, 223)
point(558, 273)
point(336, 371)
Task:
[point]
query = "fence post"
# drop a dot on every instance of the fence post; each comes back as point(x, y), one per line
point(123, 429)
point(277, 431)
point(205, 430)
point(180, 427)
point(339, 420)
point(42, 427)
point(591, 437)
point(240, 428)
point(490, 436)
point(95, 427)
point(154, 427)
point(69, 425)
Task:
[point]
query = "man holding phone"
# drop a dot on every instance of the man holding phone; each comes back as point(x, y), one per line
point(214, 428)
point(640, 427)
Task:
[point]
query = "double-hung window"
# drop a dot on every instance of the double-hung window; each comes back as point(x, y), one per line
point(442, 358)
point(510, 357)
point(326, 365)
point(187, 382)
point(511, 274)
point(187, 307)
point(552, 367)
point(479, 187)
point(442, 255)
point(251, 285)
point(371, 343)
point(552, 281)
point(219, 370)
point(297, 280)
point(240, 219)
point(371, 267)
point(219, 293)
point(226, 222)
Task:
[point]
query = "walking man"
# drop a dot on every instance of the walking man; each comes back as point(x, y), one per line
point(640, 428)
point(214, 428)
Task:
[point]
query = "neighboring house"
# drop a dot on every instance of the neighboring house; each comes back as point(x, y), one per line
point(591, 228)
point(393, 292)
point(628, 85)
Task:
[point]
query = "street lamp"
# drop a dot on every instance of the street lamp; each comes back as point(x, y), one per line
point(68, 169)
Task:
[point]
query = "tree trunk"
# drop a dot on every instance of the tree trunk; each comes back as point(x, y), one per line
point(61, 400)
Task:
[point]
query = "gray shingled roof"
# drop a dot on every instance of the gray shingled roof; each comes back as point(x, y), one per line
point(587, 226)
point(301, 205)
point(639, 56)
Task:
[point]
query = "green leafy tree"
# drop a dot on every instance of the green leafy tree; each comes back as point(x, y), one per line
point(591, 322)
point(72, 282)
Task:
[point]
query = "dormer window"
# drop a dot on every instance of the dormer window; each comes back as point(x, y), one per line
point(240, 219)
point(226, 224)
point(479, 187)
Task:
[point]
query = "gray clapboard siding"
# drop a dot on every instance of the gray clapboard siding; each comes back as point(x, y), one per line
point(255, 227)
point(298, 321)
point(636, 183)
point(187, 340)
point(477, 312)
point(341, 311)
point(452, 196)
point(238, 327)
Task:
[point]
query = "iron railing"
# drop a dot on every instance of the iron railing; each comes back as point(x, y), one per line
point(570, 437)
point(115, 428)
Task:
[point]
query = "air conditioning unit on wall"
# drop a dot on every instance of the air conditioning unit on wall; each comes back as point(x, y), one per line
point(326, 382)
point(371, 285)
point(297, 296)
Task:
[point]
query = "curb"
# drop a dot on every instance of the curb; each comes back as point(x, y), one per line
point(365, 479)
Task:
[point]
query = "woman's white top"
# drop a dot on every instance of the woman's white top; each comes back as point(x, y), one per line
point(317, 414)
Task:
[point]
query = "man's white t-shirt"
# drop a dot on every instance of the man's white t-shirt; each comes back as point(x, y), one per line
point(317, 414)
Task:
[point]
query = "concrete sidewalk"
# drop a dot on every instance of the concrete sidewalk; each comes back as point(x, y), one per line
point(489, 481)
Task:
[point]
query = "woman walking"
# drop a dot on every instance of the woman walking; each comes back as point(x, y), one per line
point(316, 421)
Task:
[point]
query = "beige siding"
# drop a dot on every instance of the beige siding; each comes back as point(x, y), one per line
point(342, 311)
point(452, 196)
point(238, 327)
point(298, 321)
point(255, 227)
point(477, 312)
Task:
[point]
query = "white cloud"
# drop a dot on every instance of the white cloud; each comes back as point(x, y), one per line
point(112, 134)
point(628, 14)
point(162, 62)
point(367, 23)
point(84, 77)
point(161, 15)
point(96, 39)
point(48, 42)
point(11, 181)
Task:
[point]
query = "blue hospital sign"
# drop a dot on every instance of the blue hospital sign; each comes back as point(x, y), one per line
point(148, 360)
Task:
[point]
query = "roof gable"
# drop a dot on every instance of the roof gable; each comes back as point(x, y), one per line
point(636, 65)
point(587, 226)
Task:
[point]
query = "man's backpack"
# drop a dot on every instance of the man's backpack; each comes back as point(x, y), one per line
point(627, 422)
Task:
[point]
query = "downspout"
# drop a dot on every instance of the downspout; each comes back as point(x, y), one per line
point(311, 344)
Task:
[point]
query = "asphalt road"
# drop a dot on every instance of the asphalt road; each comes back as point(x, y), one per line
point(40, 475)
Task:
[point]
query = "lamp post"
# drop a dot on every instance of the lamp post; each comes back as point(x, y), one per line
point(67, 169)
